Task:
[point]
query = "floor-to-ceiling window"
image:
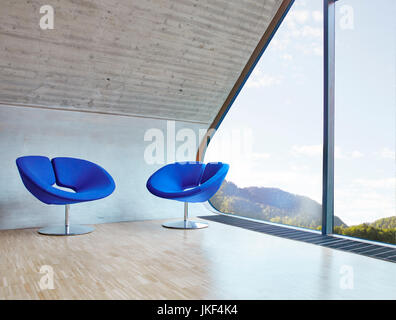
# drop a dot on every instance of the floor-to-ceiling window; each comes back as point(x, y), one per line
point(365, 118)
point(272, 135)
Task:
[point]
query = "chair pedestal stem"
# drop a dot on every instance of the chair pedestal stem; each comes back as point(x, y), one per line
point(185, 211)
point(67, 229)
point(185, 224)
point(67, 226)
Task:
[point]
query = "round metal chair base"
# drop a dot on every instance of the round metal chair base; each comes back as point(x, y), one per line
point(184, 225)
point(72, 230)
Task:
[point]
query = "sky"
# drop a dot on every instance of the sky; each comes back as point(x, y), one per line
point(272, 136)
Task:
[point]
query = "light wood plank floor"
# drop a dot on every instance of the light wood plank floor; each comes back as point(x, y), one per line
point(142, 260)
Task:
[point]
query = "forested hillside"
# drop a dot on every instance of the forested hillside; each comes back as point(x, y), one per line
point(269, 204)
point(275, 205)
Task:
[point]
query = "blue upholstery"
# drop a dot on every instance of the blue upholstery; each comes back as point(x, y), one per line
point(87, 179)
point(188, 181)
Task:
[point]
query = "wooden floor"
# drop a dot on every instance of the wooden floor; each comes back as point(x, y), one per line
point(142, 260)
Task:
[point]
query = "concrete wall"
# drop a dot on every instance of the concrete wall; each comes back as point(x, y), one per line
point(114, 142)
point(174, 59)
point(171, 59)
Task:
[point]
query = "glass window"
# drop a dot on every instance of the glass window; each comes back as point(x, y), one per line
point(272, 135)
point(365, 116)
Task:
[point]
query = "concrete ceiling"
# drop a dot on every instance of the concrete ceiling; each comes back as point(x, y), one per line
point(171, 59)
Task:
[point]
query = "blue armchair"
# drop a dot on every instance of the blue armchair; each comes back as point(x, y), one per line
point(88, 181)
point(187, 182)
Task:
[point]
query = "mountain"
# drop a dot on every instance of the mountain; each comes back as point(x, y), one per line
point(270, 204)
point(383, 230)
point(385, 223)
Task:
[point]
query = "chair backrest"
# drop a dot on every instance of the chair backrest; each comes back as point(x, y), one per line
point(211, 169)
point(39, 174)
point(79, 174)
point(36, 168)
point(188, 173)
point(177, 176)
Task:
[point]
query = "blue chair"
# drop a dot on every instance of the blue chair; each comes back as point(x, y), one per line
point(88, 181)
point(187, 182)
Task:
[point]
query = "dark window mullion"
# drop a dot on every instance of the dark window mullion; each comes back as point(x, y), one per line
point(328, 116)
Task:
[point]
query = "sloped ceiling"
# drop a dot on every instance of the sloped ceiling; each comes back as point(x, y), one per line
point(171, 59)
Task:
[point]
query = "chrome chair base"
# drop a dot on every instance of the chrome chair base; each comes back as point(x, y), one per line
point(72, 230)
point(185, 224)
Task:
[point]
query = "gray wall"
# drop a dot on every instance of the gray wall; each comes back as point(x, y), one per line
point(172, 59)
point(114, 142)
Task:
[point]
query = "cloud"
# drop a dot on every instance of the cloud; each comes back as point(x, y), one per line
point(356, 154)
point(299, 16)
point(387, 153)
point(317, 16)
point(258, 156)
point(287, 56)
point(294, 20)
point(338, 154)
point(303, 25)
point(312, 48)
point(300, 3)
point(287, 178)
point(376, 183)
point(308, 31)
point(317, 149)
point(279, 43)
point(364, 199)
point(259, 80)
point(356, 205)
point(298, 77)
point(296, 23)
point(317, 51)
point(309, 150)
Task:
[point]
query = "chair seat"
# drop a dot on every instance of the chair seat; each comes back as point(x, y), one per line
point(188, 181)
point(89, 181)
